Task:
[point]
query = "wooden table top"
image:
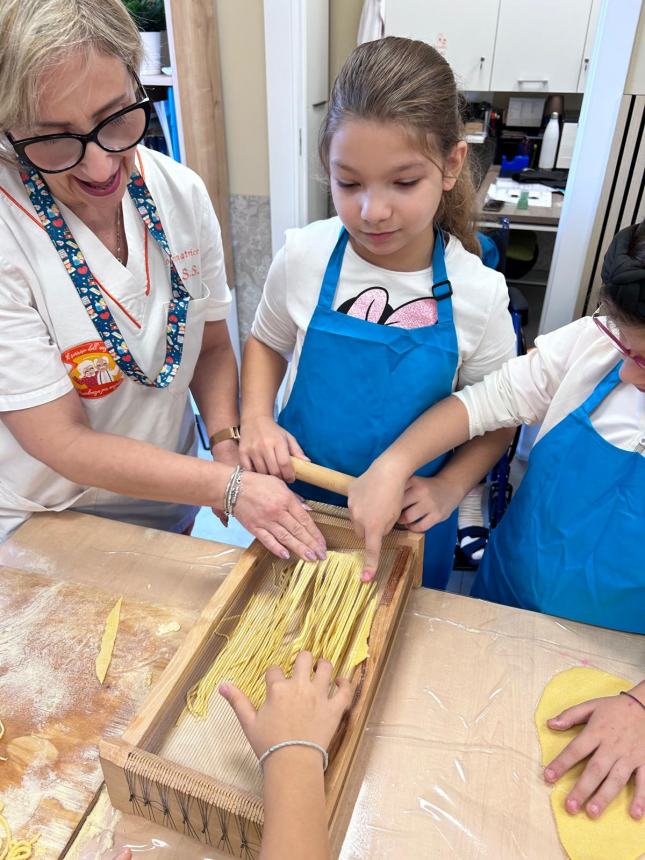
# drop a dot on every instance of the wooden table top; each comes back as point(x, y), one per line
point(449, 762)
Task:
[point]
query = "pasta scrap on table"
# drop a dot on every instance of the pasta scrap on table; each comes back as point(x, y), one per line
point(107, 643)
point(2, 757)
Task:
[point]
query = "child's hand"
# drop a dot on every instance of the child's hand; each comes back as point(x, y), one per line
point(426, 502)
point(614, 737)
point(297, 708)
point(375, 501)
point(267, 448)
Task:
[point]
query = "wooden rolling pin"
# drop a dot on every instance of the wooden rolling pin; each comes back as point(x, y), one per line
point(320, 476)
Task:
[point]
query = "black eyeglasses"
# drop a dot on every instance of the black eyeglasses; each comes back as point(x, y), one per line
point(55, 153)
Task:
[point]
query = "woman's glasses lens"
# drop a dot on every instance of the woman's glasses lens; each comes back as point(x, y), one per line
point(123, 131)
point(54, 154)
point(119, 134)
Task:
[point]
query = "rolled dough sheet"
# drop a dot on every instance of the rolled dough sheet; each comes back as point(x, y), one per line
point(615, 835)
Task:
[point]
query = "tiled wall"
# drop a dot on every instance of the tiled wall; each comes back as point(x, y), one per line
point(251, 240)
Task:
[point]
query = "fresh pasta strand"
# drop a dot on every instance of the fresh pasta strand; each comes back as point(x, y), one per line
point(322, 607)
point(10, 849)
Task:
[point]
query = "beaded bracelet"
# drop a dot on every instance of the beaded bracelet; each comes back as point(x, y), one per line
point(632, 696)
point(311, 744)
point(232, 491)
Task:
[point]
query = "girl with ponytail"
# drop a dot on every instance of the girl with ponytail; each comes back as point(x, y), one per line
point(386, 308)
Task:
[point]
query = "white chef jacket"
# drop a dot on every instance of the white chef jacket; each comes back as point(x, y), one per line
point(49, 345)
point(552, 381)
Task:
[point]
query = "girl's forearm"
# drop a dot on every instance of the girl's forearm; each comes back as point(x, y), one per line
point(262, 372)
point(215, 386)
point(473, 460)
point(441, 428)
point(295, 815)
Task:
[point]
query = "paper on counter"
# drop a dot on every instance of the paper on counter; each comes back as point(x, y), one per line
point(509, 192)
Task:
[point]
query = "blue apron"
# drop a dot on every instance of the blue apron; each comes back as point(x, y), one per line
point(359, 385)
point(571, 542)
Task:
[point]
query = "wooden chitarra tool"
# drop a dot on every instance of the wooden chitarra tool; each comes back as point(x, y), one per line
point(195, 772)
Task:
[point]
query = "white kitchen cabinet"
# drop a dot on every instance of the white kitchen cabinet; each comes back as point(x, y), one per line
point(504, 45)
point(586, 54)
point(539, 45)
point(463, 31)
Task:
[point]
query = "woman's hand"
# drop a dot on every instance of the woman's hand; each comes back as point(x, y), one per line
point(426, 502)
point(267, 448)
point(375, 501)
point(297, 708)
point(277, 517)
point(614, 737)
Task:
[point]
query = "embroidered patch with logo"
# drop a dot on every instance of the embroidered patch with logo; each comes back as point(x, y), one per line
point(92, 369)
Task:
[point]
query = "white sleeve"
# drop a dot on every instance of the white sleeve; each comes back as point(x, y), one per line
point(521, 391)
point(213, 265)
point(497, 343)
point(273, 324)
point(31, 369)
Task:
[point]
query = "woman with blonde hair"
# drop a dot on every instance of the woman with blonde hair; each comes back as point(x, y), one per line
point(92, 225)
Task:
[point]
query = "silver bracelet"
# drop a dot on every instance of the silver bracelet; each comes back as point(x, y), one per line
point(311, 744)
point(232, 491)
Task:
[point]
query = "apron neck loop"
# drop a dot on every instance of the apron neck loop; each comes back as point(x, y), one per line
point(604, 387)
point(441, 287)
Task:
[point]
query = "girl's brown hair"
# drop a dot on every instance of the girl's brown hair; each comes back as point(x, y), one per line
point(409, 83)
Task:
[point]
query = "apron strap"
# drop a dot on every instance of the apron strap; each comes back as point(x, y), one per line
point(441, 287)
point(332, 272)
point(604, 387)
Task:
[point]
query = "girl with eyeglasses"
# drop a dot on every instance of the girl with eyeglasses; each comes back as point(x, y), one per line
point(571, 542)
point(113, 296)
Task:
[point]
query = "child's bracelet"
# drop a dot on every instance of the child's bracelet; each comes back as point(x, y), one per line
point(265, 755)
point(632, 696)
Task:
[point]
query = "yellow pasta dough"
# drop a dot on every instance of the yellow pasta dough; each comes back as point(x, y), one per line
point(615, 835)
point(107, 643)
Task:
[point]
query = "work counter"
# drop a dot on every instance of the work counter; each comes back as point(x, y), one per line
point(448, 766)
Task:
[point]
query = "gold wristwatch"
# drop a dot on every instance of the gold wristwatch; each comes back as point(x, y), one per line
point(223, 435)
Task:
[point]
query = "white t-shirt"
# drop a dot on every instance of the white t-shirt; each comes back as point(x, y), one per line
point(48, 344)
point(552, 381)
point(480, 299)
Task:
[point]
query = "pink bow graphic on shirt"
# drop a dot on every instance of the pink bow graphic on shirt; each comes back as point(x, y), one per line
point(372, 305)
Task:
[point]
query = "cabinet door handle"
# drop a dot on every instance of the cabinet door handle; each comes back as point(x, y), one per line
point(533, 80)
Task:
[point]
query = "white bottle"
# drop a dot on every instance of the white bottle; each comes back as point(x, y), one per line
point(549, 144)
